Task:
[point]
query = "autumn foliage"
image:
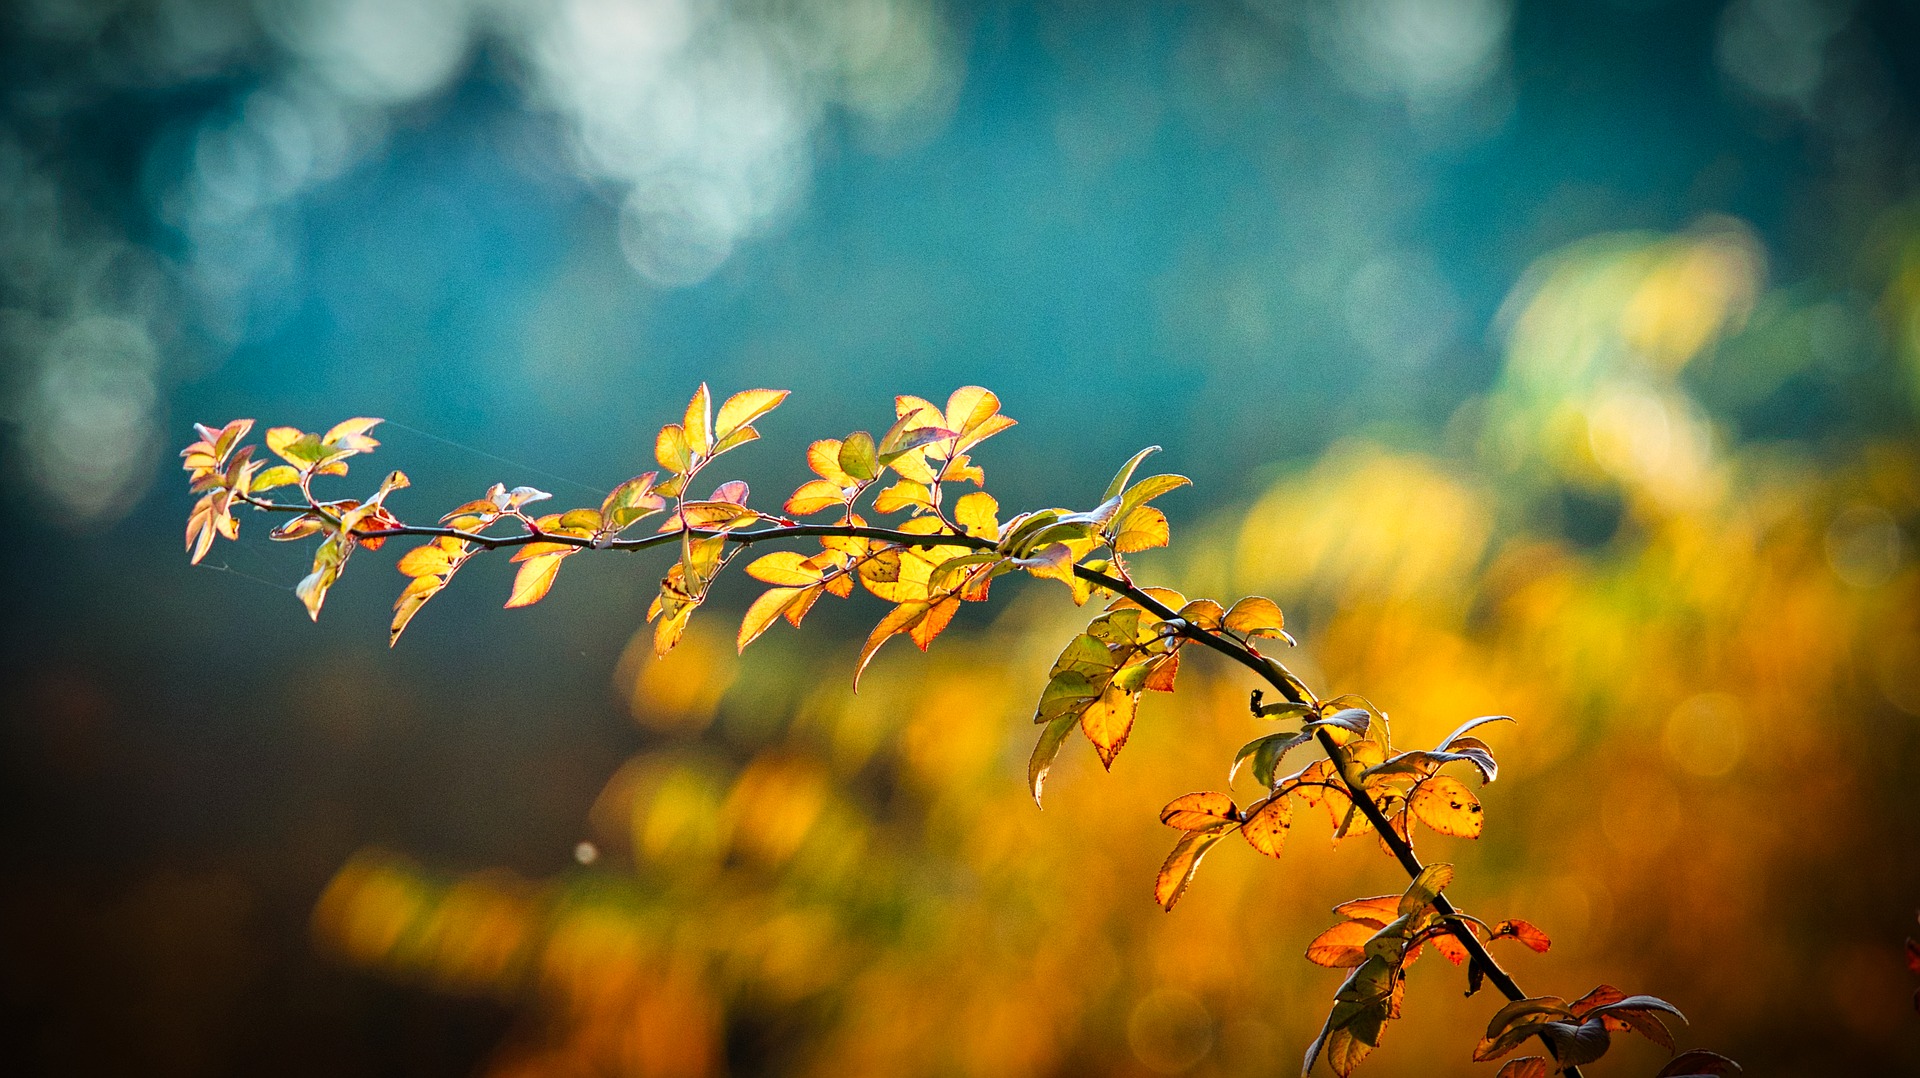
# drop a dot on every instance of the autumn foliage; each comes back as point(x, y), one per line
point(948, 546)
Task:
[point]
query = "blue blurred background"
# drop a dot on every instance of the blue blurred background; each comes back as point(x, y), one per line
point(1258, 233)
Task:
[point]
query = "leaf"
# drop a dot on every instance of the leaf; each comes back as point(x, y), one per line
point(1470, 724)
point(1255, 615)
point(699, 421)
point(898, 620)
point(1121, 478)
point(903, 495)
point(351, 435)
point(823, 457)
point(1144, 529)
point(1146, 490)
point(762, 613)
point(1178, 869)
point(1342, 946)
point(534, 580)
point(1267, 823)
point(744, 407)
point(429, 560)
point(671, 449)
point(328, 560)
point(973, 414)
point(1266, 753)
point(1046, 749)
point(858, 457)
point(1698, 1063)
point(1446, 805)
point(1533, 938)
point(787, 568)
point(1107, 721)
point(1351, 720)
point(412, 598)
point(1200, 812)
point(976, 512)
point(1577, 1044)
point(1051, 562)
point(813, 496)
point(1426, 887)
point(1525, 1067)
point(1512, 1012)
point(280, 475)
point(939, 616)
point(631, 501)
point(1203, 614)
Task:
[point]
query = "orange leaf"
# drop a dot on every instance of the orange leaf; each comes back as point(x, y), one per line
point(1267, 824)
point(1178, 869)
point(1255, 615)
point(1107, 722)
point(1532, 937)
point(939, 615)
point(1200, 812)
point(1343, 945)
point(1446, 805)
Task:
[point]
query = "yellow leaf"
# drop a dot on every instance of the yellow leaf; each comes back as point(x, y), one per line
point(412, 598)
point(535, 578)
point(1266, 826)
point(1051, 562)
point(1144, 529)
point(761, 615)
point(973, 413)
point(428, 560)
point(668, 630)
point(902, 495)
point(978, 513)
point(280, 475)
point(898, 620)
point(744, 407)
point(823, 457)
point(351, 434)
point(1446, 805)
point(1202, 614)
point(787, 568)
point(1107, 722)
point(813, 496)
point(1255, 616)
point(699, 421)
point(1046, 749)
point(1200, 812)
point(939, 615)
point(1178, 869)
point(1343, 945)
point(671, 449)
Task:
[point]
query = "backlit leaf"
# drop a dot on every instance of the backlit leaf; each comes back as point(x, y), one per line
point(1203, 614)
point(1342, 946)
point(1267, 824)
point(1178, 869)
point(1125, 474)
point(1146, 490)
point(1200, 812)
point(858, 457)
point(1255, 615)
point(762, 613)
point(977, 513)
point(1266, 754)
point(1525, 1067)
point(1046, 749)
point(280, 475)
point(1107, 721)
point(787, 568)
point(1144, 529)
point(744, 407)
point(699, 421)
point(534, 580)
point(903, 495)
point(1379, 909)
point(898, 620)
point(813, 496)
point(1532, 937)
point(823, 457)
point(939, 615)
point(1446, 805)
point(1426, 887)
point(672, 450)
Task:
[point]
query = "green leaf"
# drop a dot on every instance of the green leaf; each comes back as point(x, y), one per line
point(1125, 473)
point(858, 457)
point(1046, 749)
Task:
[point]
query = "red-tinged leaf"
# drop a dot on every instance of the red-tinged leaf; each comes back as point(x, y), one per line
point(1178, 869)
point(744, 407)
point(939, 616)
point(534, 580)
point(1913, 956)
point(1144, 529)
point(1267, 824)
point(978, 514)
point(1446, 805)
point(1162, 671)
point(1599, 997)
point(813, 496)
point(763, 612)
point(672, 450)
point(1449, 946)
point(1637, 1004)
point(1342, 946)
point(1046, 749)
point(733, 490)
point(1200, 812)
point(1698, 1063)
point(1533, 938)
point(1525, 1067)
point(1255, 615)
point(898, 620)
